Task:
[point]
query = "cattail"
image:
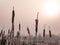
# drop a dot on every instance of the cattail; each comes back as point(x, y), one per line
point(44, 33)
point(50, 33)
point(13, 14)
point(28, 30)
point(18, 34)
point(36, 30)
point(1, 31)
point(19, 26)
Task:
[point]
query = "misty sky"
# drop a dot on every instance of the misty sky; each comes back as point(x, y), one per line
point(25, 14)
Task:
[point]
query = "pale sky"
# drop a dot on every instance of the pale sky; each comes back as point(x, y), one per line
point(26, 12)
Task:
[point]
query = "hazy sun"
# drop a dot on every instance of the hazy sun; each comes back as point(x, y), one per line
point(50, 8)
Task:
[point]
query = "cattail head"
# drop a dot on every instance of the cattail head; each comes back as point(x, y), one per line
point(28, 30)
point(50, 33)
point(13, 14)
point(44, 33)
point(18, 34)
point(19, 26)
